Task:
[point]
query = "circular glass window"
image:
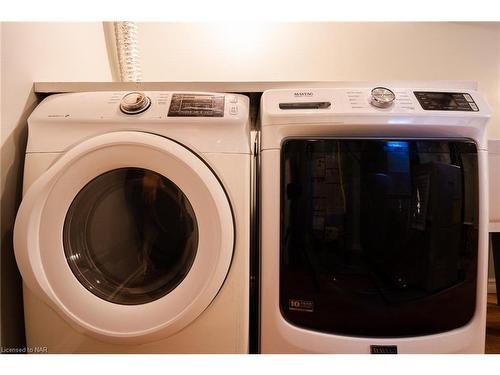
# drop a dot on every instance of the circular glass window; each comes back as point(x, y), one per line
point(130, 236)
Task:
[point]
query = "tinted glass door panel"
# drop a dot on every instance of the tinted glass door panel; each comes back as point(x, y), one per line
point(378, 237)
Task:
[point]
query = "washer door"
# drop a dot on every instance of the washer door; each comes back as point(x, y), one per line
point(128, 235)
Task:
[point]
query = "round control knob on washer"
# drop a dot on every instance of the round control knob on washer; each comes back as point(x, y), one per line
point(134, 103)
point(382, 97)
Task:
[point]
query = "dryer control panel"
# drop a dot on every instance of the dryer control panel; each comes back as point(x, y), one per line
point(446, 101)
point(378, 100)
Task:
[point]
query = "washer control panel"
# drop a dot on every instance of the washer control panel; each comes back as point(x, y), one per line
point(134, 103)
point(197, 105)
point(160, 105)
point(446, 101)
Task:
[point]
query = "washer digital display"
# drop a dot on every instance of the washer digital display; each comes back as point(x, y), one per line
point(196, 105)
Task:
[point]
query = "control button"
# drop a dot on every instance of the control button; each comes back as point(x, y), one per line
point(382, 97)
point(468, 98)
point(233, 99)
point(134, 103)
point(474, 107)
point(233, 110)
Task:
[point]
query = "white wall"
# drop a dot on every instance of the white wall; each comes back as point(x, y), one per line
point(325, 51)
point(34, 52)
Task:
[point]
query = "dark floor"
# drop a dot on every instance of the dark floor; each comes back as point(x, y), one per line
point(493, 325)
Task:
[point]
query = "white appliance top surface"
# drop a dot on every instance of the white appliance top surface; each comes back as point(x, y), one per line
point(63, 119)
point(224, 86)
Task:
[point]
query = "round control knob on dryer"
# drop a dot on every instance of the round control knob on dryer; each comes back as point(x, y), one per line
point(134, 103)
point(382, 97)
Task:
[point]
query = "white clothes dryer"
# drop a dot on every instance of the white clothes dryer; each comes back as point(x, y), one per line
point(133, 232)
point(374, 220)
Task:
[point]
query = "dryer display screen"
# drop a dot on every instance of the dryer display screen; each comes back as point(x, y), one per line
point(196, 105)
point(446, 101)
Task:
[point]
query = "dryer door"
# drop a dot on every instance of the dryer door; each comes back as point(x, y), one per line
point(128, 235)
point(379, 238)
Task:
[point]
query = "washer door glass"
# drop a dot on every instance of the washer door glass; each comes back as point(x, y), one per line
point(130, 236)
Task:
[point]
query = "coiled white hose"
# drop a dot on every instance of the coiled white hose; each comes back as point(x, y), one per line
point(127, 47)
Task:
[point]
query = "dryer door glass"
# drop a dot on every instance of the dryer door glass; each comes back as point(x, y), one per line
point(130, 236)
point(378, 237)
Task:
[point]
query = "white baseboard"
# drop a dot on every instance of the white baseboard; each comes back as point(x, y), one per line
point(492, 287)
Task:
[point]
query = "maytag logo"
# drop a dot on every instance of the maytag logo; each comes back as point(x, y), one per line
point(303, 93)
point(383, 349)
